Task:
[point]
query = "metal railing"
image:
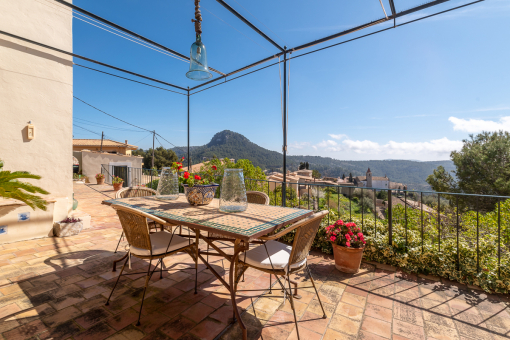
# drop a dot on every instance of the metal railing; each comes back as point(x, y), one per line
point(131, 176)
point(406, 219)
point(403, 219)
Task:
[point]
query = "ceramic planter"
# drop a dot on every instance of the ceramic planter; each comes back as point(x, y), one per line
point(200, 194)
point(100, 181)
point(347, 260)
point(117, 186)
point(67, 229)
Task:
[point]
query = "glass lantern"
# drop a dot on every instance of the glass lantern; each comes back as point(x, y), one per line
point(233, 192)
point(198, 69)
point(168, 186)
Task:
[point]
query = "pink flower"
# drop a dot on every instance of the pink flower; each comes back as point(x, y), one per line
point(351, 233)
point(347, 244)
point(347, 237)
point(339, 222)
point(332, 238)
point(360, 234)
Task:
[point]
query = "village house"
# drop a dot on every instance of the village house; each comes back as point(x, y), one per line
point(105, 145)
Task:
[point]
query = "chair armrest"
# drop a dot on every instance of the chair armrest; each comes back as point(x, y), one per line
point(294, 226)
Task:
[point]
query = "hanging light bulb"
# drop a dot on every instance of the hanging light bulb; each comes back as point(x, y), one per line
point(198, 57)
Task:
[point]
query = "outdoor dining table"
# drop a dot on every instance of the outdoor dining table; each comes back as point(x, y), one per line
point(240, 227)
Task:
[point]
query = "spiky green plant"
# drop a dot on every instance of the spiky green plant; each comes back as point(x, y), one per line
point(11, 187)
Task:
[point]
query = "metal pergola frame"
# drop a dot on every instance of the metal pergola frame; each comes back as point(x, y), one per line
point(283, 51)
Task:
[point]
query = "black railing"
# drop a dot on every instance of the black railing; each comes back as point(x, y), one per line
point(131, 176)
point(412, 220)
point(472, 231)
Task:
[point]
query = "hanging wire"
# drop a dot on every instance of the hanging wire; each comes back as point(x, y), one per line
point(110, 114)
point(281, 91)
point(135, 81)
point(88, 122)
point(142, 138)
point(139, 42)
point(235, 29)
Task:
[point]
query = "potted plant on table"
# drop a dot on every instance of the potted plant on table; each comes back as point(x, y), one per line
point(117, 183)
point(348, 244)
point(68, 227)
point(100, 179)
point(199, 189)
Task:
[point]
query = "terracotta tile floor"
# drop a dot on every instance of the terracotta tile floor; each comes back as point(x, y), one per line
point(56, 289)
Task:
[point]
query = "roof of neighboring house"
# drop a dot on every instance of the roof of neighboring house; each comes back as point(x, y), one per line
point(106, 142)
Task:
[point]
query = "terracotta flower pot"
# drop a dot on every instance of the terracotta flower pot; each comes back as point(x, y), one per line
point(347, 260)
point(100, 181)
point(117, 186)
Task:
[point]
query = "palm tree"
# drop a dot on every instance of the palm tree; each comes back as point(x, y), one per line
point(10, 187)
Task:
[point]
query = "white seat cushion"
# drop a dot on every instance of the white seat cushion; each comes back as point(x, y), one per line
point(279, 253)
point(159, 243)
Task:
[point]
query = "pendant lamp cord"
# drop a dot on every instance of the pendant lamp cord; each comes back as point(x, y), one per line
point(198, 19)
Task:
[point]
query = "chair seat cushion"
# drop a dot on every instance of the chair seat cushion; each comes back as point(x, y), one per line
point(159, 243)
point(279, 254)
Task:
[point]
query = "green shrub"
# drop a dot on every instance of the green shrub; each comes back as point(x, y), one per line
point(408, 252)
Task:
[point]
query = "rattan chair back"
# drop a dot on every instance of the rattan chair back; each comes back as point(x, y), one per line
point(257, 197)
point(135, 192)
point(303, 239)
point(135, 227)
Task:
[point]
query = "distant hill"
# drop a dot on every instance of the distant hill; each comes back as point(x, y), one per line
point(234, 145)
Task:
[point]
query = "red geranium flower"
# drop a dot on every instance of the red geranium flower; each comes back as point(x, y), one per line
point(214, 167)
point(197, 177)
point(182, 158)
point(186, 175)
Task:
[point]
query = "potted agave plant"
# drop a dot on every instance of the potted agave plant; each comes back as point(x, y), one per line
point(199, 189)
point(117, 183)
point(348, 243)
point(100, 179)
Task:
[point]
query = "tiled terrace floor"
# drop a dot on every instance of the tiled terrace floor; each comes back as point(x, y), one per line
point(56, 289)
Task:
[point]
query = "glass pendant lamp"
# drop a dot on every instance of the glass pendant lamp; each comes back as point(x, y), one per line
point(198, 57)
point(198, 62)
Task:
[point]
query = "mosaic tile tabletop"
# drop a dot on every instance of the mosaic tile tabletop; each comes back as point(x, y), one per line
point(256, 221)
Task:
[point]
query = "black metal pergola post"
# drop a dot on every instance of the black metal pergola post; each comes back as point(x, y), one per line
point(284, 116)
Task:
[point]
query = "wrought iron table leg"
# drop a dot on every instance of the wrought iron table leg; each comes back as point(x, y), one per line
point(233, 288)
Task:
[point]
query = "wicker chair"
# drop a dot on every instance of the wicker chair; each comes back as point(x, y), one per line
point(257, 197)
point(147, 246)
point(280, 259)
point(136, 192)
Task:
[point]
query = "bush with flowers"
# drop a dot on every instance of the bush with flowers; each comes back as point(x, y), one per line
point(99, 176)
point(117, 180)
point(206, 177)
point(345, 234)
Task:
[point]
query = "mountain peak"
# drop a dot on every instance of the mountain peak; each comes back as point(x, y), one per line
point(227, 137)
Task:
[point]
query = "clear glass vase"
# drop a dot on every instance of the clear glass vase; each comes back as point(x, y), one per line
point(168, 185)
point(233, 192)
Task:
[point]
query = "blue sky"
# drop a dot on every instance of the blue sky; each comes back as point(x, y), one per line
point(413, 92)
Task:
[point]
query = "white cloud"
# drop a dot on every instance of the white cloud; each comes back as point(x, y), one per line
point(479, 125)
point(340, 136)
point(326, 144)
point(298, 145)
point(365, 149)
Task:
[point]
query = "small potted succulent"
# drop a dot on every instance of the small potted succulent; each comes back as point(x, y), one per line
point(117, 183)
point(348, 244)
point(100, 179)
point(68, 227)
point(199, 189)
